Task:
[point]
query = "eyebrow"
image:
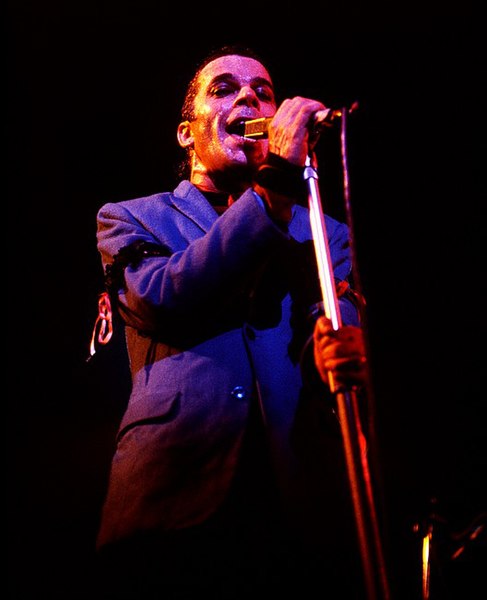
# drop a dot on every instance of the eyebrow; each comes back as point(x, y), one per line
point(231, 76)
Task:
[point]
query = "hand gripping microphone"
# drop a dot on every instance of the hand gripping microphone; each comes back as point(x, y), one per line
point(257, 128)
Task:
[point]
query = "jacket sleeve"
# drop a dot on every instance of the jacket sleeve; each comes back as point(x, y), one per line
point(196, 274)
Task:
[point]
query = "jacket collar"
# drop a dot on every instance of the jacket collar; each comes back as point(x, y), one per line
point(191, 202)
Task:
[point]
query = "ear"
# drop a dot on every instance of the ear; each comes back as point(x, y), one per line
point(185, 135)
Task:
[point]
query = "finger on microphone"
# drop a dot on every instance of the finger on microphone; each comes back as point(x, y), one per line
point(257, 128)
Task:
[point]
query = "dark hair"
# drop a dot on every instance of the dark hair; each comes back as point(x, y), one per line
point(192, 89)
point(187, 110)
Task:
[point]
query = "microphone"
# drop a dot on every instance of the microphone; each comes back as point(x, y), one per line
point(257, 128)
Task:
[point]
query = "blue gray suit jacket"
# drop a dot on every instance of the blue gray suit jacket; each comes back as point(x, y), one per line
point(214, 318)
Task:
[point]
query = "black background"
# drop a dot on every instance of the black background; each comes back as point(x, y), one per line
point(94, 91)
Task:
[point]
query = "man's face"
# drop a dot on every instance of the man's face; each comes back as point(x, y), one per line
point(231, 89)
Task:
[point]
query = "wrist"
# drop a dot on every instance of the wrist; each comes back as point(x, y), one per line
point(282, 177)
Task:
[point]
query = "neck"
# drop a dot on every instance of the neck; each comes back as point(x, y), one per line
point(232, 184)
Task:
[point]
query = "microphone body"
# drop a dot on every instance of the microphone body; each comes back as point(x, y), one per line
point(257, 128)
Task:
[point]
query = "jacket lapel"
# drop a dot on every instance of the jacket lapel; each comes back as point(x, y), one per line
point(189, 201)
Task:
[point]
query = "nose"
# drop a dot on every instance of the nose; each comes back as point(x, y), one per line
point(247, 96)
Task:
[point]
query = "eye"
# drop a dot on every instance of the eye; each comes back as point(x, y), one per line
point(264, 93)
point(221, 89)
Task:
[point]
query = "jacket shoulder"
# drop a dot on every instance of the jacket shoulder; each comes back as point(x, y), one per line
point(137, 205)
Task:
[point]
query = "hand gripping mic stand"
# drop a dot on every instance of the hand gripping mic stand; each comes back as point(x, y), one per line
point(369, 539)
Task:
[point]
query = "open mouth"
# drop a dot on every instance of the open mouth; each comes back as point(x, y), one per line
point(237, 127)
point(250, 129)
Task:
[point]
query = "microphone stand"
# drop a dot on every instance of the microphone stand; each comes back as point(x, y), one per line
point(359, 476)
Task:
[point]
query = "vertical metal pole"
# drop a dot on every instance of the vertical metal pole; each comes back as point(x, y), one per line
point(369, 540)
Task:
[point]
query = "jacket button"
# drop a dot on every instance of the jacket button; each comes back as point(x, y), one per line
point(239, 392)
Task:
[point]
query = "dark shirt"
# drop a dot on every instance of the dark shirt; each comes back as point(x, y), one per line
point(218, 200)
